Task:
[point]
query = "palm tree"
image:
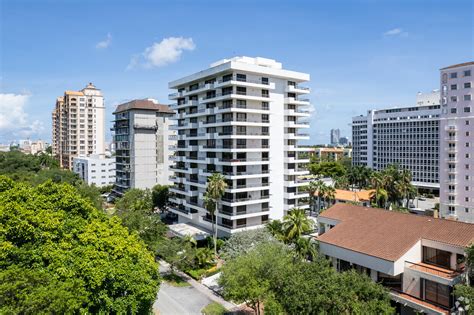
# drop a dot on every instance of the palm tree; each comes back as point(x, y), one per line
point(216, 187)
point(341, 182)
point(320, 187)
point(404, 186)
point(380, 196)
point(295, 223)
point(275, 227)
point(306, 248)
point(329, 194)
point(312, 189)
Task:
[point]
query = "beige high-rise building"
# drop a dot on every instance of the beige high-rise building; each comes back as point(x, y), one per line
point(78, 125)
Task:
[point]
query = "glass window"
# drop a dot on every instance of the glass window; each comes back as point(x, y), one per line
point(453, 75)
point(436, 256)
point(467, 97)
point(467, 73)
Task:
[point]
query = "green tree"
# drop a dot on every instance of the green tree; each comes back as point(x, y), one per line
point(248, 278)
point(327, 169)
point(241, 243)
point(61, 255)
point(160, 196)
point(216, 187)
point(275, 227)
point(296, 223)
point(135, 200)
point(135, 209)
point(313, 188)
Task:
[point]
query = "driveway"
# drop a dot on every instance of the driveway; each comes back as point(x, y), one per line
point(179, 300)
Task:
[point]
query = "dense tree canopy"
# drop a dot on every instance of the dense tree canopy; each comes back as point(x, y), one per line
point(135, 209)
point(59, 254)
point(160, 196)
point(37, 169)
point(274, 275)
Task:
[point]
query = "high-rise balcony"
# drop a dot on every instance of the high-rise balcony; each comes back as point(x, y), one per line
point(297, 89)
point(297, 101)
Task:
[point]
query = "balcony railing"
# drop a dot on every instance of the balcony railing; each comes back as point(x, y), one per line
point(433, 270)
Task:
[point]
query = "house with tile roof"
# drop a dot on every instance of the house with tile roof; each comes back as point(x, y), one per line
point(418, 258)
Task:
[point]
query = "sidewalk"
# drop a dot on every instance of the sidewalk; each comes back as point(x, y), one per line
point(165, 267)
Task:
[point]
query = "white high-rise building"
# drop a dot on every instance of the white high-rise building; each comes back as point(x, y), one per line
point(95, 170)
point(405, 136)
point(78, 125)
point(241, 118)
point(142, 145)
point(457, 142)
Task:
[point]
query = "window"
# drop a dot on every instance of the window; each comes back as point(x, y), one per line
point(241, 222)
point(454, 86)
point(467, 73)
point(467, 109)
point(265, 105)
point(241, 77)
point(241, 90)
point(467, 85)
point(227, 77)
point(467, 97)
point(454, 98)
point(436, 292)
point(436, 257)
point(265, 93)
point(386, 280)
point(453, 75)
point(265, 81)
point(453, 110)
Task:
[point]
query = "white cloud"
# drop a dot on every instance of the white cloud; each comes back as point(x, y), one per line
point(395, 32)
point(168, 51)
point(14, 121)
point(105, 43)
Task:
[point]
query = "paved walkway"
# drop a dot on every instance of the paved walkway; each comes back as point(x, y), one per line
point(185, 300)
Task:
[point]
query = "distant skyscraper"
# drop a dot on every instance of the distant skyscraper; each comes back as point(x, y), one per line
point(343, 141)
point(406, 136)
point(78, 125)
point(142, 145)
point(457, 142)
point(335, 135)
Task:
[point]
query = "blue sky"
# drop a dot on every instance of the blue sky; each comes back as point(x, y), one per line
point(360, 54)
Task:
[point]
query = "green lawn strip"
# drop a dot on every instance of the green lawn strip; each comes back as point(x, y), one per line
point(175, 280)
point(213, 308)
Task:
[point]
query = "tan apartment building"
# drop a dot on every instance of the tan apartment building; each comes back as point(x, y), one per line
point(78, 125)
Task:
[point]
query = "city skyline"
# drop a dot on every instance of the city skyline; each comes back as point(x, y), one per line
point(382, 66)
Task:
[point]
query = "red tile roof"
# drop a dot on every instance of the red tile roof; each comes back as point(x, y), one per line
point(389, 234)
point(459, 65)
point(145, 105)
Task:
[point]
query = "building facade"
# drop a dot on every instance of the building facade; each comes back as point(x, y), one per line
point(143, 138)
point(331, 154)
point(78, 125)
point(406, 136)
point(335, 136)
point(418, 258)
point(95, 170)
point(457, 142)
point(242, 118)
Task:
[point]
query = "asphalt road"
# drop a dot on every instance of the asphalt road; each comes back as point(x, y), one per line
point(179, 301)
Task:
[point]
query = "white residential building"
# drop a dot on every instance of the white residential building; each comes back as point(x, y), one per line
point(457, 142)
point(95, 169)
point(242, 118)
point(78, 125)
point(418, 258)
point(142, 145)
point(406, 136)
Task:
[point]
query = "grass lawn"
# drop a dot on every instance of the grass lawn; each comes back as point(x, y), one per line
point(175, 280)
point(213, 309)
